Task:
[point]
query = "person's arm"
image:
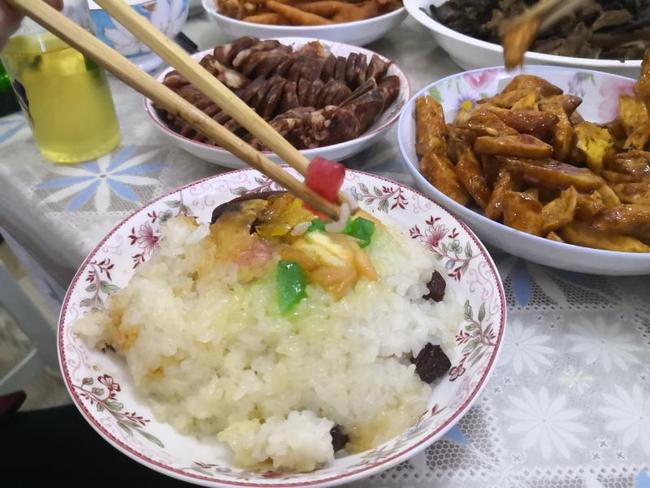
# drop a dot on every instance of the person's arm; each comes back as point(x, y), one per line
point(10, 19)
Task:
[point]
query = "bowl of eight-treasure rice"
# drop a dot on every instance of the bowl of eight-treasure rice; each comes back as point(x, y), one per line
point(227, 335)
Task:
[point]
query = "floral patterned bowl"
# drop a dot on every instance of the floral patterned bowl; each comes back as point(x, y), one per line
point(167, 15)
point(599, 92)
point(103, 391)
point(336, 152)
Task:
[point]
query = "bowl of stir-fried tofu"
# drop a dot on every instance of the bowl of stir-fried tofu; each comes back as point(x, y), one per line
point(550, 164)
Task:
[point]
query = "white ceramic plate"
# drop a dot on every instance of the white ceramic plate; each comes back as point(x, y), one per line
point(599, 91)
point(359, 33)
point(469, 53)
point(336, 152)
point(103, 390)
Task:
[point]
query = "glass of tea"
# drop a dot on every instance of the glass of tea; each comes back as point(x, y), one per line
point(64, 94)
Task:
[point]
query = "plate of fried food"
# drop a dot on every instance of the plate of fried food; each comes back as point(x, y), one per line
point(549, 164)
point(601, 35)
point(326, 98)
point(357, 22)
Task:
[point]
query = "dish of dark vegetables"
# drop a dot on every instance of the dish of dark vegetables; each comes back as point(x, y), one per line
point(601, 29)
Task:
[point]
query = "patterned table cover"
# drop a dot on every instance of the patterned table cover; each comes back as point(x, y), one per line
point(568, 405)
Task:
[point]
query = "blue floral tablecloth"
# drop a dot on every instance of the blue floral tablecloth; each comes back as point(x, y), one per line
point(569, 403)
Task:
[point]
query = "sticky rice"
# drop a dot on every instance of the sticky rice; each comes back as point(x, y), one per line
point(214, 356)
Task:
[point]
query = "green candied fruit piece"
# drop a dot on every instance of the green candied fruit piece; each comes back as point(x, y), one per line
point(361, 229)
point(292, 285)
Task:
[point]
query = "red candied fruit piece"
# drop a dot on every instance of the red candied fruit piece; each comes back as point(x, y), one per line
point(325, 177)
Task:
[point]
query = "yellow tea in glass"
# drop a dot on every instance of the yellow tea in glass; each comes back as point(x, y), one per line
point(64, 94)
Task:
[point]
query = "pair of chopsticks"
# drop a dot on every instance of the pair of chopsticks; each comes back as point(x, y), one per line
point(174, 55)
point(519, 33)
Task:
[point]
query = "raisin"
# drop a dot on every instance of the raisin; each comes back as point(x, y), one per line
point(431, 363)
point(339, 438)
point(436, 288)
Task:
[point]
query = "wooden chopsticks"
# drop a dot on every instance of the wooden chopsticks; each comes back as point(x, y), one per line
point(220, 94)
point(211, 87)
point(142, 82)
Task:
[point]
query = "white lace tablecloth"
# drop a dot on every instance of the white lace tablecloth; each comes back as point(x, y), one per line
point(568, 405)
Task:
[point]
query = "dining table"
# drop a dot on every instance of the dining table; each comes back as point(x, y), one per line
point(568, 404)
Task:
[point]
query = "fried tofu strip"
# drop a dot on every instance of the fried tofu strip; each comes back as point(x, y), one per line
point(562, 132)
point(440, 172)
point(469, 173)
point(588, 205)
point(430, 127)
point(632, 112)
point(637, 193)
point(608, 196)
point(569, 103)
point(522, 146)
point(486, 123)
point(583, 234)
point(553, 174)
point(528, 82)
point(522, 212)
point(532, 192)
point(517, 40)
point(639, 138)
point(594, 142)
point(508, 99)
point(614, 177)
point(625, 219)
point(617, 131)
point(503, 184)
point(534, 122)
point(491, 167)
point(560, 211)
point(633, 163)
point(458, 140)
point(642, 87)
point(529, 102)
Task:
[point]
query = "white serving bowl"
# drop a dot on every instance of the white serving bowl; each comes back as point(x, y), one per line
point(599, 91)
point(470, 53)
point(103, 390)
point(335, 152)
point(358, 33)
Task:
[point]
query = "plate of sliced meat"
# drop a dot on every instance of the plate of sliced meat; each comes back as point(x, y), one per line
point(326, 98)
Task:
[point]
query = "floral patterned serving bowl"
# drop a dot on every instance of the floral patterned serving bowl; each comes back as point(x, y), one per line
point(599, 92)
point(335, 152)
point(103, 391)
point(167, 15)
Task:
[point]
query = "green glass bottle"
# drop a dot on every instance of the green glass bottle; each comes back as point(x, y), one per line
point(8, 101)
